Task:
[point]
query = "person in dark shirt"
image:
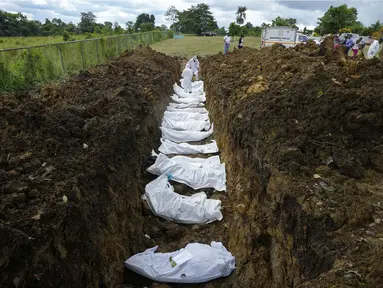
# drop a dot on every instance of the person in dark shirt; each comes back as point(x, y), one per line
point(240, 42)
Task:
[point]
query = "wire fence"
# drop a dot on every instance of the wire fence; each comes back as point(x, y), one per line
point(24, 67)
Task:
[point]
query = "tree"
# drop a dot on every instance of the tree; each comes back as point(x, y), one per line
point(195, 20)
point(129, 27)
point(172, 14)
point(265, 25)
point(256, 31)
point(279, 21)
point(220, 31)
point(234, 29)
point(144, 18)
point(146, 27)
point(241, 14)
point(97, 30)
point(249, 26)
point(87, 23)
point(117, 28)
point(336, 18)
point(163, 27)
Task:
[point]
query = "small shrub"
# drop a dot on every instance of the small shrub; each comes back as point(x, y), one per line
point(66, 36)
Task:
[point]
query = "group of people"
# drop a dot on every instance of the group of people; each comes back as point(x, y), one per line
point(355, 46)
point(227, 41)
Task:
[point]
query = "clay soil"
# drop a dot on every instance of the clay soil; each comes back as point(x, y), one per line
point(302, 138)
point(72, 158)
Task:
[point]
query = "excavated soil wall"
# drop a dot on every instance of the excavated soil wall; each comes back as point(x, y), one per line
point(302, 139)
point(72, 158)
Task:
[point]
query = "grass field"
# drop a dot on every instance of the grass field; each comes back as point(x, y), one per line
point(14, 42)
point(200, 46)
point(24, 68)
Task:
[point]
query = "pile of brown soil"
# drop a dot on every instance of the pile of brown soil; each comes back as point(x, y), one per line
point(302, 138)
point(71, 172)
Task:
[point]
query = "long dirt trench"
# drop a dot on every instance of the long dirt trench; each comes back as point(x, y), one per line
point(301, 137)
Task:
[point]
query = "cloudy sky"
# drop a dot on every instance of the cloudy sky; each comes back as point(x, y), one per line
point(306, 12)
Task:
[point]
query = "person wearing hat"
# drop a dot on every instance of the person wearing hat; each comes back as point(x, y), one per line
point(193, 65)
point(373, 50)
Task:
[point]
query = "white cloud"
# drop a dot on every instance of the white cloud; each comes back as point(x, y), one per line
point(306, 12)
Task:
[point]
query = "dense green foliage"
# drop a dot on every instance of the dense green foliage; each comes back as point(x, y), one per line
point(279, 21)
point(194, 20)
point(17, 24)
point(241, 14)
point(344, 17)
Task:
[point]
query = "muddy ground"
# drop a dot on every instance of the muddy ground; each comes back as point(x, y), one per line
point(72, 158)
point(302, 138)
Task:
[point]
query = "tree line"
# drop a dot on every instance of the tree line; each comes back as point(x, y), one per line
point(195, 20)
point(199, 18)
point(17, 24)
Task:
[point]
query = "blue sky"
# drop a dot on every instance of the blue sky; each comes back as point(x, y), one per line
point(306, 12)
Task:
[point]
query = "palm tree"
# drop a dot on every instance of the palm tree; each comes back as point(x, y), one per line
point(241, 14)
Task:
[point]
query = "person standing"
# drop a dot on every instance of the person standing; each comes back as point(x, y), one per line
point(226, 43)
point(349, 44)
point(193, 65)
point(240, 42)
point(355, 48)
point(187, 76)
point(373, 50)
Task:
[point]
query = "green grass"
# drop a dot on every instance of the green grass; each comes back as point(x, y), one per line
point(200, 46)
point(24, 68)
point(14, 42)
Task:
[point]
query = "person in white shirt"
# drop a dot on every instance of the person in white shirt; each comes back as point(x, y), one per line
point(373, 50)
point(187, 75)
point(193, 65)
point(226, 43)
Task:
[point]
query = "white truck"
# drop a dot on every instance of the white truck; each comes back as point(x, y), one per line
point(287, 36)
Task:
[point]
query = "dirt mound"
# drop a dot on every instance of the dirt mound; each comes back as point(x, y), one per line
point(304, 156)
point(71, 165)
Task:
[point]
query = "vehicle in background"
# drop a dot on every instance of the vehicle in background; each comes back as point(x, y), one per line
point(317, 40)
point(208, 33)
point(353, 36)
point(286, 36)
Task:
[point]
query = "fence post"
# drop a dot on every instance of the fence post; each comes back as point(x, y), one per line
point(62, 59)
point(82, 55)
point(97, 53)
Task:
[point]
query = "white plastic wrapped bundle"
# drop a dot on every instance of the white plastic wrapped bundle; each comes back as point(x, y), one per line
point(195, 209)
point(185, 136)
point(196, 85)
point(201, 110)
point(190, 125)
point(185, 116)
point(187, 172)
point(186, 105)
point(194, 100)
point(169, 147)
point(180, 92)
point(196, 263)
